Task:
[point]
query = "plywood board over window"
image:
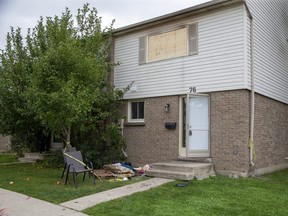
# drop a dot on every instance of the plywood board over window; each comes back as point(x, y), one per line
point(179, 42)
point(167, 45)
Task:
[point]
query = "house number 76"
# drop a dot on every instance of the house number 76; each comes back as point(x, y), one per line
point(192, 89)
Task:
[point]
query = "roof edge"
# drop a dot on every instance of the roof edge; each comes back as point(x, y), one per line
point(177, 14)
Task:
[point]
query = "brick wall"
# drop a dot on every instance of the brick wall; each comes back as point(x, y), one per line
point(229, 135)
point(153, 142)
point(229, 116)
point(271, 132)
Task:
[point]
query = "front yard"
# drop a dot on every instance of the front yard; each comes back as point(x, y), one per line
point(214, 196)
point(39, 181)
point(267, 195)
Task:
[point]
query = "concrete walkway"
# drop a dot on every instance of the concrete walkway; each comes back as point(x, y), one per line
point(86, 202)
point(16, 204)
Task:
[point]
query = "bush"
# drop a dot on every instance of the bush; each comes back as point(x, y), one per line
point(54, 160)
point(20, 145)
point(101, 146)
point(31, 141)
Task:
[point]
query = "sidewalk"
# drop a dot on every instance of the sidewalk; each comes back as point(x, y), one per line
point(88, 201)
point(16, 204)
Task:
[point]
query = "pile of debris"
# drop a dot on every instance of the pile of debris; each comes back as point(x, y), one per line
point(122, 171)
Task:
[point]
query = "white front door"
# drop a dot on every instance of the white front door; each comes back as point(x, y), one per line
point(197, 132)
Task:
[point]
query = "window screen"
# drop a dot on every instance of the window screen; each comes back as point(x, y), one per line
point(137, 110)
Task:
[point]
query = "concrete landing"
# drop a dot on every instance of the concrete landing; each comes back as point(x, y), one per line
point(88, 201)
point(33, 157)
point(182, 170)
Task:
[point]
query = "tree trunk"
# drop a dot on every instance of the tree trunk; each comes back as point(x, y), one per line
point(68, 137)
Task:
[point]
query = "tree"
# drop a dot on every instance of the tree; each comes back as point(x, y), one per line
point(15, 69)
point(65, 72)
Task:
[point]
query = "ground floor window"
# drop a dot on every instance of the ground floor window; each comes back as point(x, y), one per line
point(136, 111)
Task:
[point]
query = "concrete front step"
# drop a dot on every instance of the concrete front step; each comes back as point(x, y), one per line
point(55, 149)
point(182, 170)
point(56, 146)
point(36, 155)
point(196, 159)
point(177, 175)
point(33, 157)
point(182, 166)
point(27, 160)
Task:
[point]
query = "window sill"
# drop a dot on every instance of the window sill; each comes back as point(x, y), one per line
point(134, 124)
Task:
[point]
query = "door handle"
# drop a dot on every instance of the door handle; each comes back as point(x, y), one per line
point(190, 132)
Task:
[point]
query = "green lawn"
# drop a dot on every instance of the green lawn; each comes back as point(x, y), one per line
point(214, 196)
point(45, 183)
point(8, 158)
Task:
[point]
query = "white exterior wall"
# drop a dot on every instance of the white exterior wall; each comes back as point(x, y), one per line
point(270, 19)
point(219, 64)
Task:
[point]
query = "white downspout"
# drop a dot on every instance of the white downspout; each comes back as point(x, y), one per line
point(121, 122)
point(252, 111)
point(251, 141)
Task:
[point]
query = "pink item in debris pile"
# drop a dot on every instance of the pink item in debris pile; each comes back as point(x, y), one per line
point(141, 172)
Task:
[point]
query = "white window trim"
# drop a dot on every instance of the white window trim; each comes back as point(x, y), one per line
point(130, 120)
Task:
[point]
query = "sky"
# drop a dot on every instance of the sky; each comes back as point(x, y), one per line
point(26, 13)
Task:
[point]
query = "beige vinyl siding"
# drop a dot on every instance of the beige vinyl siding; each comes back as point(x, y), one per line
point(247, 50)
point(217, 66)
point(270, 47)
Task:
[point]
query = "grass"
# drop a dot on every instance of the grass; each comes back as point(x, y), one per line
point(45, 183)
point(213, 196)
point(8, 158)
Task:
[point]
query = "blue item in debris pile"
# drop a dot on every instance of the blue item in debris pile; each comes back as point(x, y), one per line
point(128, 166)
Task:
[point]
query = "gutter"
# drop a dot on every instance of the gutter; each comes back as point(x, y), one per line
point(188, 12)
point(252, 153)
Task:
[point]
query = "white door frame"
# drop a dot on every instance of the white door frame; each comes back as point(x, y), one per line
point(196, 153)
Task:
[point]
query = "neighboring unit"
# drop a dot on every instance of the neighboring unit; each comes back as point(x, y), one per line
point(210, 83)
point(4, 143)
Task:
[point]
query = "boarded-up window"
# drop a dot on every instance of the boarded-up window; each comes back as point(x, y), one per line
point(176, 43)
point(167, 45)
